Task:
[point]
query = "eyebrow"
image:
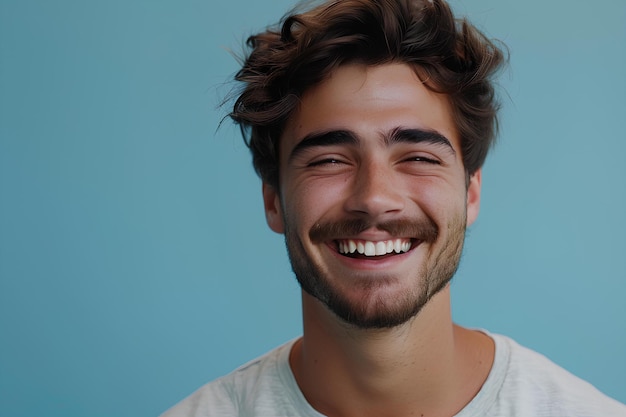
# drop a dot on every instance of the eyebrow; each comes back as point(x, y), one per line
point(325, 138)
point(347, 137)
point(406, 135)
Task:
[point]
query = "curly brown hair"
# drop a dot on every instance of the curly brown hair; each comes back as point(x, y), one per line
point(449, 55)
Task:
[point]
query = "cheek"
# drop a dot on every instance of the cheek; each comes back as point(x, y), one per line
point(437, 199)
point(312, 201)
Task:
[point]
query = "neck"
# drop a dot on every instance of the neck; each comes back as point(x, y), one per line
point(426, 366)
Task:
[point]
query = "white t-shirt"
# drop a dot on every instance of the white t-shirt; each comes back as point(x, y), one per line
point(521, 383)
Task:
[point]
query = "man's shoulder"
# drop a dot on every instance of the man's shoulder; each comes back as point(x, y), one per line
point(534, 385)
point(248, 385)
point(521, 383)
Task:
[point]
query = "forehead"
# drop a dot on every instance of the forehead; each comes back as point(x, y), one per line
point(369, 100)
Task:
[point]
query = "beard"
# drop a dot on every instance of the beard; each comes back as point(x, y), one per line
point(375, 309)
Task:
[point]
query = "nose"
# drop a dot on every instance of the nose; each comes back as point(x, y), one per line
point(374, 190)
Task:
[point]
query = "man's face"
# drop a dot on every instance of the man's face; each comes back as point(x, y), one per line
point(373, 200)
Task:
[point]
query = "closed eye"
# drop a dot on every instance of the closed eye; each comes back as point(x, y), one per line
point(326, 161)
point(423, 159)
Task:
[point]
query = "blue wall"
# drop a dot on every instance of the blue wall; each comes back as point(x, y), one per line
point(135, 263)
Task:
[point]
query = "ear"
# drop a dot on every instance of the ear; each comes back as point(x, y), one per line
point(473, 197)
point(273, 210)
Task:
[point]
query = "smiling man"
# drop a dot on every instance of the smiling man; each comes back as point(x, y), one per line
point(369, 121)
point(372, 194)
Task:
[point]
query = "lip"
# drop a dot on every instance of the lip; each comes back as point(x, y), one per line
point(354, 247)
point(373, 263)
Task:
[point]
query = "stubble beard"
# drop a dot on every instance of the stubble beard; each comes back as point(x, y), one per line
point(375, 308)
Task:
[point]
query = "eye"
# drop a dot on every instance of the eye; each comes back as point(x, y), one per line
point(325, 161)
point(422, 158)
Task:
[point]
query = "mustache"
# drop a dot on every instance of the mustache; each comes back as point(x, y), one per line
point(423, 229)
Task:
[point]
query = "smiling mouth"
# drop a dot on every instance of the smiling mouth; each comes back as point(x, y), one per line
point(356, 248)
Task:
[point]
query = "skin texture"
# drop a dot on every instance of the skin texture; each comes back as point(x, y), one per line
point(378, 335)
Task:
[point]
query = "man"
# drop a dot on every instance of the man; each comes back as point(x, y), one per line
point(369, 121)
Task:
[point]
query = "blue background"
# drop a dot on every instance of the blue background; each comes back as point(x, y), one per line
point(135, 263)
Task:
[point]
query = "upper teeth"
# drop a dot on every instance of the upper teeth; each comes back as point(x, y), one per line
point(369, 248)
